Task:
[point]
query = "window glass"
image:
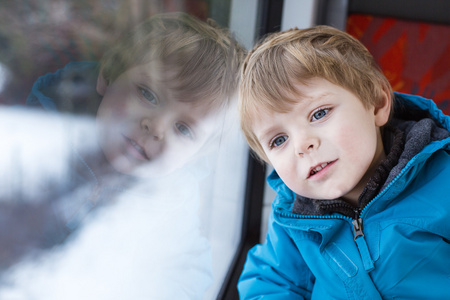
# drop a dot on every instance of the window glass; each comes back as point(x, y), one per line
point(123, 168)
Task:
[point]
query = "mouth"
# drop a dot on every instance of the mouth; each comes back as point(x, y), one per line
point(319, 168)
point(135, 149)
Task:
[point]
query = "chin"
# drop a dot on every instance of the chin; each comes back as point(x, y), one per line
point(122, 168)
point(333, 195)
point(327, 196)
point(122, 165)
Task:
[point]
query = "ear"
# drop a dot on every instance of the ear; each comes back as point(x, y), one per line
point(383, 109)
point(102, 84)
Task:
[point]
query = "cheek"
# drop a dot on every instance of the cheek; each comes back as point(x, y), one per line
point(113, 109)
point(289, 179)
point(179, 149)
point(287, 170)
point(356, 135)
point(359, 144)
point(115, 102)
point(346, 140)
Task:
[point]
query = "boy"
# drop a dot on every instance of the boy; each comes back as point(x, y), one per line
point(157, 95)
point(360, 172)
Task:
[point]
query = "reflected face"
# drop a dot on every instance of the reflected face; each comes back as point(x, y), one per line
point(143, 130)
point(327, 146)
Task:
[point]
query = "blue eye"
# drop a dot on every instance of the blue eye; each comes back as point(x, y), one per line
point(320, 114)
point(149, 95)
point(184, 130)
point(278, 141)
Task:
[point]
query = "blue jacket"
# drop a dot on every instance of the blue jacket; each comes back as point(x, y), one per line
point(398, 249)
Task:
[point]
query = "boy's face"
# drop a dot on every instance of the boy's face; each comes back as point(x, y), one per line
point(327, 146)
point(143, 130)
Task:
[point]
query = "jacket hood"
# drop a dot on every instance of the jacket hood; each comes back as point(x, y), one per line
point(71, 89)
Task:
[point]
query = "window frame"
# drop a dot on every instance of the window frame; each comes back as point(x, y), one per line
point(269, 20)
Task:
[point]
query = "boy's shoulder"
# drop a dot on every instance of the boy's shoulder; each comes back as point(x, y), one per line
point(70, 89)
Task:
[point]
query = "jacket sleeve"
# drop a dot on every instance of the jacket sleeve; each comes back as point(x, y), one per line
point(275, 270)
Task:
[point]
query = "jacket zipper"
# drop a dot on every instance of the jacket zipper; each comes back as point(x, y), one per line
point(361, 243)
point(357, 224)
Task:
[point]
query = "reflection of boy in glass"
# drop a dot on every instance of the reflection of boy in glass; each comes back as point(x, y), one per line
point(157, 95)
point(160, 91)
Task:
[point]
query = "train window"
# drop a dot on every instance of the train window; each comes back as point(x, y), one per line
point(116, 181)
point(123, 172)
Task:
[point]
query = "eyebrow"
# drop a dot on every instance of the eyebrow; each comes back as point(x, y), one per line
point(265, 135)
point(324, 95)
point(149, 75)
point(315, 97)
point(156, 80)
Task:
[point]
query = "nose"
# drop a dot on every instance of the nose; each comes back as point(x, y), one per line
point(153, 127)
point(307, 145)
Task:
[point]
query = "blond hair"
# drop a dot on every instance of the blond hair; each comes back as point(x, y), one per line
point(199, 59)
point(282, 60)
